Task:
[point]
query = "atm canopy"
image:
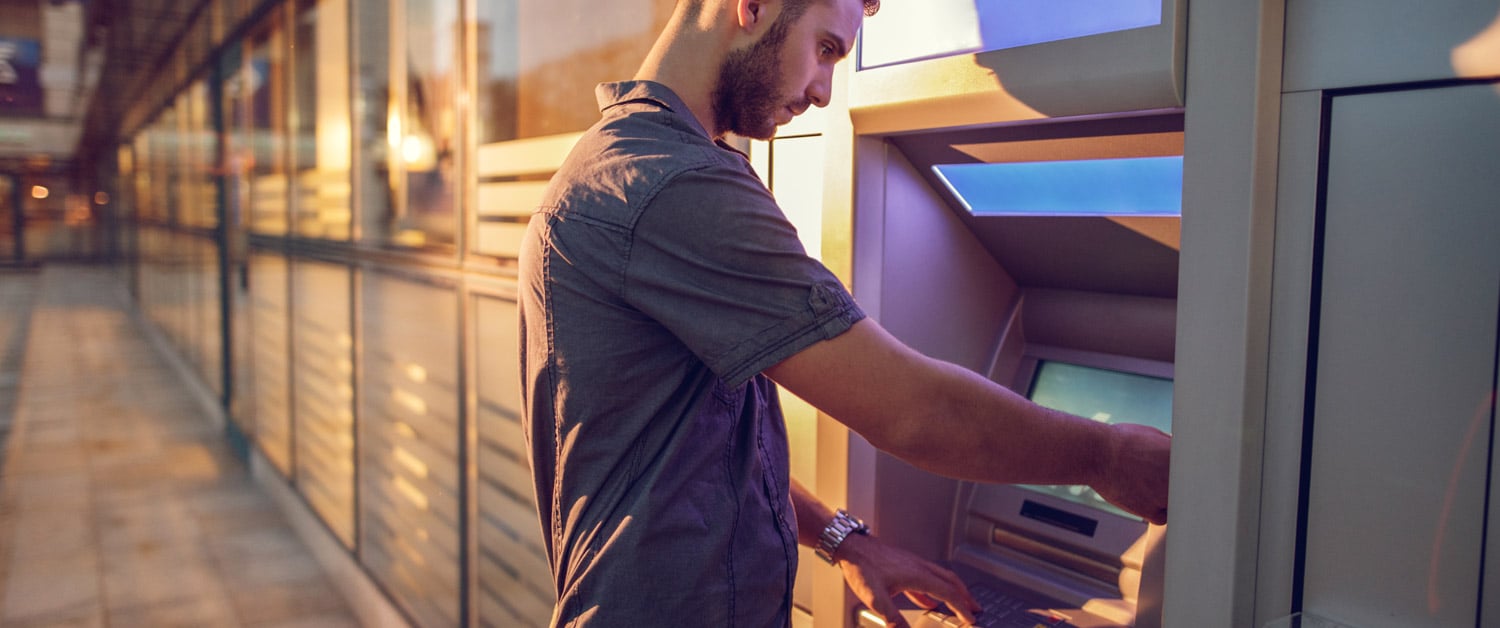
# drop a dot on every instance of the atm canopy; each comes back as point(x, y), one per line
point(1093, 249)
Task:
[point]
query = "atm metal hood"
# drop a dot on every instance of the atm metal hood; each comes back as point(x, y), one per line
point(1133, 255)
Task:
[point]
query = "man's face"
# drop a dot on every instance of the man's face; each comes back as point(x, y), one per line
point(787, 70)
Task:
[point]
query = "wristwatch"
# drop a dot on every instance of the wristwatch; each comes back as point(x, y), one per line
point(835, 532)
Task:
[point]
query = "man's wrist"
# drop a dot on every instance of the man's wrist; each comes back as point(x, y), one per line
point(839, 529)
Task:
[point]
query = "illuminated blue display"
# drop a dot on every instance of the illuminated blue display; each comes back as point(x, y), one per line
point(1139, 186)
point(909, 31)
point(1012, 23)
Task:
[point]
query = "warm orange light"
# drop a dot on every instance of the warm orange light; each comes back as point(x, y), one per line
point(101, 198)
point(40, 192)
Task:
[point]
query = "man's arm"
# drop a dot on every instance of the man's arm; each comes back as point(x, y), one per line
point(954, 422)
point(876, 572)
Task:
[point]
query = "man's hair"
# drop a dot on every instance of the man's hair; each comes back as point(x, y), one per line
point(796, 7)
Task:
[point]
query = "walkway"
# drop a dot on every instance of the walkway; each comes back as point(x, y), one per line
point(120, 505)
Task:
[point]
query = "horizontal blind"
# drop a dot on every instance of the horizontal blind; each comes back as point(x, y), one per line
point(268, 317)
point(323, 393)
point(513, 578)
point(409, 445)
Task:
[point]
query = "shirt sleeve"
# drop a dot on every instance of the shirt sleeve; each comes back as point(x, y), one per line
point(715, 261)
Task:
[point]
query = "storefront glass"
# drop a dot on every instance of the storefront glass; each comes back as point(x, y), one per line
point(408, 75)
point(265, 85)
point(320, 119)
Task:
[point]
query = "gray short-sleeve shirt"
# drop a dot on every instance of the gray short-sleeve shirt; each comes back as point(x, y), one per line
point(657, 280)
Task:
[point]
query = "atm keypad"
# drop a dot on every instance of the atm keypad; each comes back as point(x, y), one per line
point(1004, 611)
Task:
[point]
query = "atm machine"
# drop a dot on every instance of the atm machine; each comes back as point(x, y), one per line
point(1017, 208)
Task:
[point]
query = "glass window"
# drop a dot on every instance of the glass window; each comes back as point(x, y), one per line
point(145, 201)
point(238, 155)
point(539, 61)
point(408, 77)
point(323, 392)
point(268, 279)
point(537, 66)
point(166, 162)
point(264, 82)
point(209, 342)
point(514, 580)
point(409, 472)
point(199, 192)
point(320, 119)
point(8, 223)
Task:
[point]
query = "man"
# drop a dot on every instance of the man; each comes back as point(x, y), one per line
point(662, 291)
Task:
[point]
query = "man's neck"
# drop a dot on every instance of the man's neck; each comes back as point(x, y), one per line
point(687, 56)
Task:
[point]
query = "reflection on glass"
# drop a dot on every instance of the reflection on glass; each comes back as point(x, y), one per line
point(269, 312)
point(164, 162)
point(409, 475)
point(263, 79)
point(199, 193)
point(8, 222)
point(145, 201)
point(539, 61)
point(323, 393)
point(537, 66)
point(497, 67)
point(242, 408)
point(408, 83)
point(179, 294)
point(515, 582)
point(209, 344)
point(429, 131)
point(320, 69)
point(373, 174)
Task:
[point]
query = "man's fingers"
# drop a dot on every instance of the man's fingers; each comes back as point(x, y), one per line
point(957, 595)
point(965, 608)
point(922, 599)
point(886, 607)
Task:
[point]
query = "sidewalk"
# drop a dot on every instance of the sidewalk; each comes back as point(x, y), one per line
point(119, 504)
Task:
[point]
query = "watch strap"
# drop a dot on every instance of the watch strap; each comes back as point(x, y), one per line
point(833, 535)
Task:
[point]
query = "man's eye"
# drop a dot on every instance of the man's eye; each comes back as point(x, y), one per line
point(825, 50)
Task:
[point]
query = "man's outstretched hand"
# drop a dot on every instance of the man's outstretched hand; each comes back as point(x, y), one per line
point(876, 571)
point(1134, 476)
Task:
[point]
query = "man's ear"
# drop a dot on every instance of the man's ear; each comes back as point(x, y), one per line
point(751, 13)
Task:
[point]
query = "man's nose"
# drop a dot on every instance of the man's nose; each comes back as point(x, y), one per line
point(821, 88)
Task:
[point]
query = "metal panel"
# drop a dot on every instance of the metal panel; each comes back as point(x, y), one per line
point(1286, 385)
point(1406, 340)
point(1345, 43)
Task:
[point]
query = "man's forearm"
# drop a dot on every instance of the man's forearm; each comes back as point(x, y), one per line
point(954, 422)
point(812, 514)
point(971, 428)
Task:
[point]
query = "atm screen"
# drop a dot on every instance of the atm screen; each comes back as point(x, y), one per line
point(1103, 395)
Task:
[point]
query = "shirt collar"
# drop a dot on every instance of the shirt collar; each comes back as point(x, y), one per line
point(622, 92)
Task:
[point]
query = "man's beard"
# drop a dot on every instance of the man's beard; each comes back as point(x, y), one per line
point(746, 97)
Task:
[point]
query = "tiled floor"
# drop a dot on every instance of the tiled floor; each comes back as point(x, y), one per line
point(120, 505)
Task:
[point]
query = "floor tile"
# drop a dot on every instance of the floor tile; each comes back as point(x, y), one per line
point(120, 504)
point(50, 586)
